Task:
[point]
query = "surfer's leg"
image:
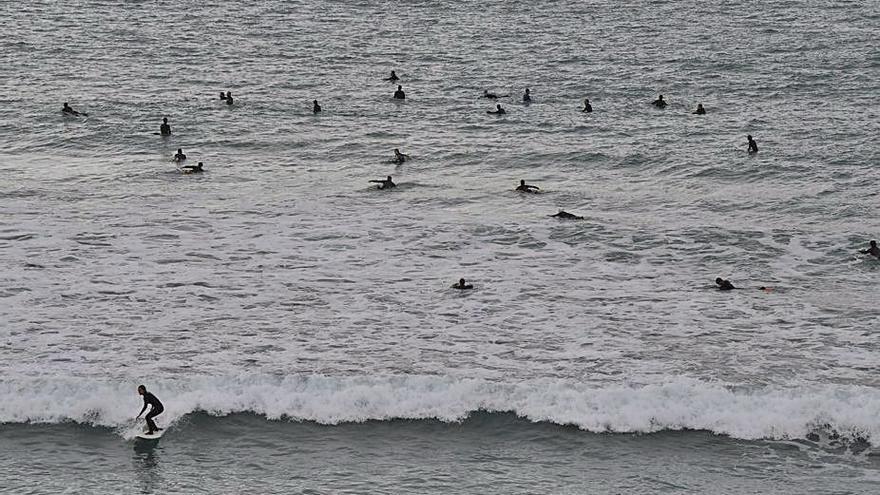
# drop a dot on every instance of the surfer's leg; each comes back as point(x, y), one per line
point(150, 423)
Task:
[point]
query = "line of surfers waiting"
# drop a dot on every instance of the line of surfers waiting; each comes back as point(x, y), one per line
point(400, 158)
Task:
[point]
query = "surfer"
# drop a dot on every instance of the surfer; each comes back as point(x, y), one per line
point(192, 169)
point(498, 110)
point(700, 110)
point(385, 183)
point(523, 187)
point(399, 94)
point(69, 111)
point(724, 284)
point(587, 107)
point(156, 409)
point(566, 215)
point(527, 96)
point(659, 102)
point(399, 157)
point(873, 250)
point(179, 157)
point(492, 96)
point(164, 128)
point(315, 107)
point(753, 146)
point(222, 95)
point(462, 285)
point(229, 100)
point(393, 77)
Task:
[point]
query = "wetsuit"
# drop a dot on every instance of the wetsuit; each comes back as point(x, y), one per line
point(165, 129)
point(156, 409)
point(725, 285)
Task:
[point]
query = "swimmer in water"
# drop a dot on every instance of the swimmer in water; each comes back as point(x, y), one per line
point(523, 187)
point(873, 250)
point(164, 128)
point(462, 285)
point(393, 77)
point(498, 110)
point(399, 94)
point(700, 110)
point(315, 107)
point(179, 157)
point(753, 146)
point(69, 111)
point(222, 95)
point(192, 169)
point(527, 96)
point(659, 102)
point(587, 107)
point(566, 215)
point(724, 284)
point(399, 157)
point(385, 184)
point(229, 99)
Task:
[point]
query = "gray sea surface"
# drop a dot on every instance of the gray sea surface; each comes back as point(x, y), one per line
point(299, 324)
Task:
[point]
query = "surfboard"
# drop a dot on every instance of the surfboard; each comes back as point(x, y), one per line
point(155, 436)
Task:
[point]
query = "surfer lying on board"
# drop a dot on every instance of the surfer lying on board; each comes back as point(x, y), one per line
point(70, 111)
point(873, 250)
point(155, 409)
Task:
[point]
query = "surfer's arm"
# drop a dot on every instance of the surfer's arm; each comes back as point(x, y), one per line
point(142, 410)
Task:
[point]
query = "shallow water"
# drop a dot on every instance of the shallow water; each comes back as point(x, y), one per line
point(281, 283)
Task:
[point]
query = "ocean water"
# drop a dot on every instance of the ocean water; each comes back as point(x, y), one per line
point(299, 324)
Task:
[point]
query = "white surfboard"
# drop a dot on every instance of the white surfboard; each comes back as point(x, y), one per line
point(154, 436)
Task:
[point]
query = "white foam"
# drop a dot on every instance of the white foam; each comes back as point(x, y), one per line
point(675, 404)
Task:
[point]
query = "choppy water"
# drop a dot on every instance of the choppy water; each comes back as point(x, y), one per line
point(280, 286)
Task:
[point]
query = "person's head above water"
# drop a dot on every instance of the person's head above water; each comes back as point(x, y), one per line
point(179, 151)
point(164, 120)
point(65, 105)
point(142, 389)
point(522, 182)
point(399, 87)
point(873, 243)
point(719, 280)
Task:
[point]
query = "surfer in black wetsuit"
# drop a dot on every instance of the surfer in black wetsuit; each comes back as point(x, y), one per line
point(179, 157)
point(193, 169)
point(724, 284)
point(527, 97)
point(462, 285)
point(222, 95)
point(229, 99)
point(399, 157)
point(498, 110)
point(385, 183)
point(873, 250)
point(156, 409)
point(69, 111)
point(315, 107)
point(753, 146)
point(164, 128)
point(587, 107)
point(523, 187)
point(399, 94)
point(700, 110)
point(566, 215)
point(393, 77)
point(659, 102)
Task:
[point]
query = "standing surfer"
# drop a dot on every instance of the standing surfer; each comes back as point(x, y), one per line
point(156, 409)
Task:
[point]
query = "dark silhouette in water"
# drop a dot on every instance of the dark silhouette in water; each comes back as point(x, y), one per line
point(399, 157)
point(587, 107)
point(229, 99)
point(700, 110)
point(315, 107)
point(462, 285)
point(873, 250)
point(164, 128)
point(179, 157)
point(566, 215)
point(69, 111)
point(192, 169)
point(399, 94)
point(385, 183)
point(222, 95)
point(498, 110)
point(393, 77)
point(523, 187)
point(527, 96)
point(724, 284)
point(659, 102)
point(753, 146)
